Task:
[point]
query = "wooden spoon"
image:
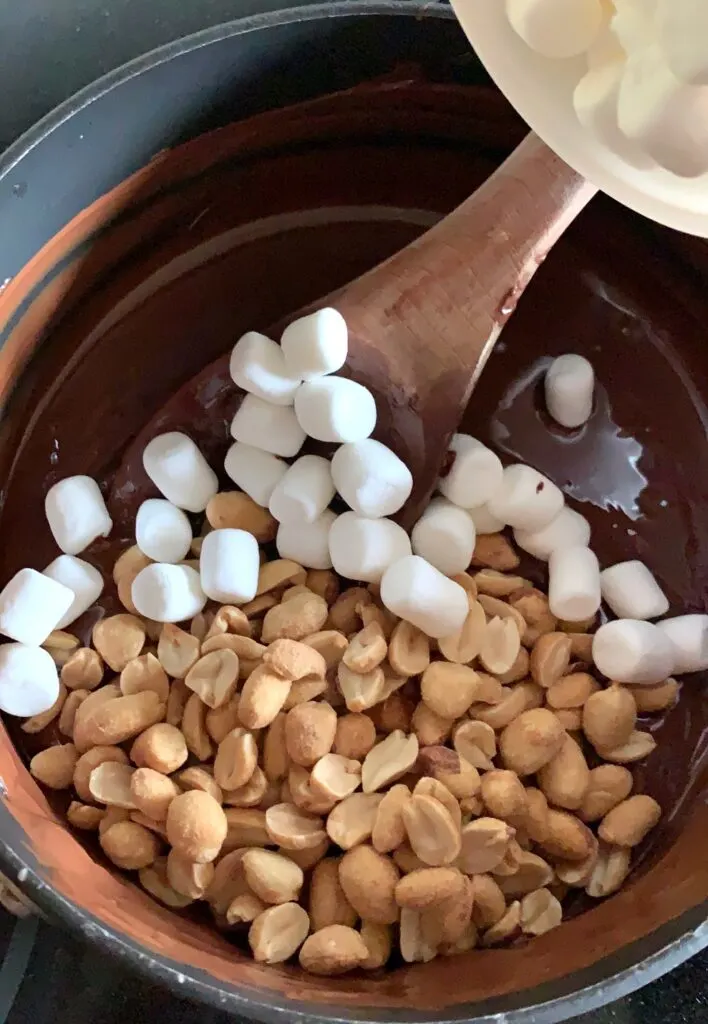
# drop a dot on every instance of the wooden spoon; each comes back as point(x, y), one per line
point(422, 324)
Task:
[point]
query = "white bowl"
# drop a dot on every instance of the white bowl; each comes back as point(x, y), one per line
point(541, 90)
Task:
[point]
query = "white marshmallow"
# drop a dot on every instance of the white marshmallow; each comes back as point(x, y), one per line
point(256, 472)
point(162, 531)
point(258, 366)
point(682, 29)
point(371, 478)
point(631, 591)
point(526, 499)
point(29, 681)
point(633, 651)
point(76, 513)
point(417, 592)
point(444, 536)
point(484, 521)
point(273, 428)
point(304, 491)
point(689, 636)
point(179, 471)
point(595, 101)
point(228, 566)
point(556, 28)
point(362, 549)
point(569, 385)
point(307, 543)
point(316, 344)
point(475, 476)
point(32, 605)
point(568, 530)
point(335, 409)
point(574, 583)
point(82, 579)
point(168, 593)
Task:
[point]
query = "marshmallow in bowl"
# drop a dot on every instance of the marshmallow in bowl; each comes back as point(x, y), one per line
point(631, 591)
point(32, 605)
point(569, 385)
point(445, 536)
point(179, 471)
point(526, 499)
point(228, 566)
point(254, 471)
point(258, 366)
point(556, 28)
point(307, 543)
point(484, 521)
point(84, 580)
point(682, 27)
point(362, 549)
point(689, 636)
point(475, 475)
point(162, 531)
point(316, 345)
point(304, 491)
point(633, 651)
point(168, 593)
point(371, 478)
point(335, 409)
point(568, 529)
point(76, 513)
point(29, 681)
point(274, 428)
point(574, 583)
point(416, 591)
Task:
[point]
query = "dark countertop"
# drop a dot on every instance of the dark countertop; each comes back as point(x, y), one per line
point(51, 49)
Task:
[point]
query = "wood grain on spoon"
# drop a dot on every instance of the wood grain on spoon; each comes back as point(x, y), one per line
point(422, 324)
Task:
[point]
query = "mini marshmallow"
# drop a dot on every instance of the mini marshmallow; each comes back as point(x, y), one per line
point(179, 471)
point(29, 681)
point(162, 531)
point(335, 409)
point(76, 513)
point(569, 384)
point(168, 593)
point(363, 549)
point(258, 366)
point(556, 28)
point(273, 428)
point(689, 636)
point(526, 499)
point(444, 536)
point(316, 344)
point(568, 530)
point(304, 491)
point(476, 473)
point(416, 591)
point(484, 521)
point(595, 101)
point(307, 543)
point(682, 29)
point(228, 566)
point(82, 579)
point(633, 651)
point(631, 591)
point(256, 472)
point(32, 605)
point(371, 478)
point(574, 583)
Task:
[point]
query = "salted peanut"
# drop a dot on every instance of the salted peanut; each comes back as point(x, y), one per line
point(61, 645)
point(129, 563)
point(352, 821)
point(519, 670)
point(278, 933)
point(145, 673)
point(256, 609)
point(83, 713)
point(294, 660)
point(476, 743)
point(272, 877)
point(580, 646)
point(177, 650)
point(389, 830)
point(303, 690)
point(298, 789)
point(122, 718)
point(610, 871)
point(494, 551)
point(294, 619)
point(396, 712)
point(515, 700)
point(244, 909)
point(214, 677)
point(112, 816)
point(255, 793)
point(489, 902)
point(158, 827)
point(550, 658)
point(83, 670)
point(228, 882)
point(278, 573)
point(498, 584)
point(371, 614)
point(533, 605)
point(188, 878)
point(323, 582)
point(276, 760)
point(448, 689)
point(408, 650)
point(154, 880)
point(236, 759)
point(433, 835)
point(262, 697)
point(86, 764)
point(567, 837)
point(608, 786)
point(531, 741)
point(309, 732)
point(388, 761)
point(244, 647)
point(446, 766)
point(361, 690)
point(407, 861)
point(577, 874)
point(484, 844)
point(234, 510)
point(566, 777)
point(463, 646)
point(500, 646)
point(570, 718)
point(430, 728)
point(510, 862)
point(307, 859)
point(540, 912)
point(330, 644)
point(495, 608)
point(129, 846)
point(161, 747)
point(84, 817)
point(39, 722)
point(366, 650)
point(629, 822)
point(176, 702)
point(378, 939)
point(292, 828)
point(655, 698)
point(110, 783)
point(194, 728)
point(196, 826)
point(446, 921)
point(503, 794)
point(118, 639)
point(428, 786)
point(328, 903)
point(571, 691)
point(609, 717)
point(55, 766)
point(219, 722)
point(427, 887)
point(335, 777)
point(343, 615)
point(333, 950)
point(507, 927)
point(636, 748)
point(151, 792)
point(198, 778)
point(355, 736)
point(369, 879)
point(532, 872)
point(414, 946)
point(228, 619)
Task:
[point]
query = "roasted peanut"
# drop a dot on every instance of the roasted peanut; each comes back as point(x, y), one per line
point(609, 717)
point(214, 677)
point(389, 830)
point(432, 833)
point(292, 828)
point(531, 741)
point(352, 821)
point(129, 846)
point(121, 718)
point(119, 639)
point(388, 761)
point(294, 619)
point(333, 950)
point(567, 837)
point(503, 794)
point(476, 743)
point(83, 670)
point(262, 697)
point(494, 551)
point(550, 658)
point(278, 933)
point(355, 736)
point(571, 691)
point(484, 844)
point(55, 766)
point(196, 826)
point(151, 792)
point(309, 730)
point(234, 510)
point(540, 912)
point(272, 877)
point(90, 760)
point(566, 777)
point(161, 747)
point(448, 689)
point(608, 785)
point(236, 759)
point(464, 646)
point(408, 650)
point(328, 903)
point(629, 822)
point(650, 699)
point(500, 645)
point(610, 871)
point(369, 879)
point(84, 816)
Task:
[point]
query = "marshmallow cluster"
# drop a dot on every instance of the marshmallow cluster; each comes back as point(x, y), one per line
point(645, 92)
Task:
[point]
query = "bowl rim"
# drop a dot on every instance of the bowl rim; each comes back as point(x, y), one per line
point(670, 945)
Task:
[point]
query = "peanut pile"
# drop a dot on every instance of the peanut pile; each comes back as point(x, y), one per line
point(336, 786)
